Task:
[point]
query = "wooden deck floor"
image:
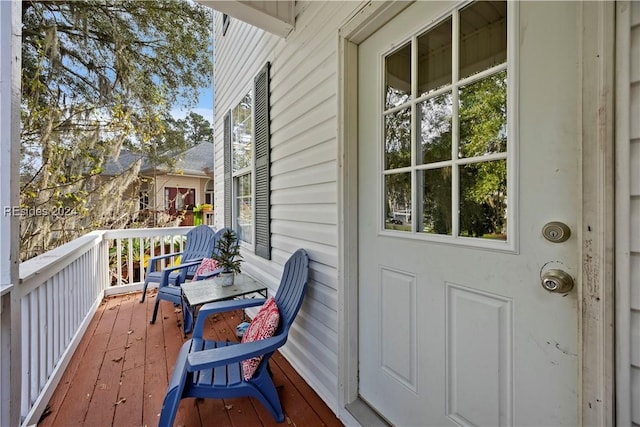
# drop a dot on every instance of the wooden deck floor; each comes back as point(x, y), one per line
point(119, 374)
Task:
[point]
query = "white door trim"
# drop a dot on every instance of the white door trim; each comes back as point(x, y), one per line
point(596, 304)
point(596, 295)
point(623, 209)
point(362, 23)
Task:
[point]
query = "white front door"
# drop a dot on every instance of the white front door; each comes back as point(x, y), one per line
point(468, 145)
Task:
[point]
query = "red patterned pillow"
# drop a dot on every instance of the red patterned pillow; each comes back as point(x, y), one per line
point(207, 265)
point(262, 326)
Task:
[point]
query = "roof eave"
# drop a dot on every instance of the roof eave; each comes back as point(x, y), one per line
point(276, 17)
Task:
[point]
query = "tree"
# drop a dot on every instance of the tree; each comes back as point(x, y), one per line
point(196, 128)
point(98, 75)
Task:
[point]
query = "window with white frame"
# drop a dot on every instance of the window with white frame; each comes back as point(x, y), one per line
point(444, 116)
point(242, 167)
point(247, 167)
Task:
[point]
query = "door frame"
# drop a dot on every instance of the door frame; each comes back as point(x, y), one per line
point(624, 403)
point(595, 228)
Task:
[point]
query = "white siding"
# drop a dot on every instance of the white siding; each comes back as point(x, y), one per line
point(634, 168)
point(304, 190)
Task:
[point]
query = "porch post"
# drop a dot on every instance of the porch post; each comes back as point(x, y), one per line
point(10, 333)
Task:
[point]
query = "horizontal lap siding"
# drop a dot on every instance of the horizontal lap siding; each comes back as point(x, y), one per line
point(635, 213)
point(303, 166)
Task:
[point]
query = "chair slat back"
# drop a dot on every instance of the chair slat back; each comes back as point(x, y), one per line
point(292, 288)
point(200, 244)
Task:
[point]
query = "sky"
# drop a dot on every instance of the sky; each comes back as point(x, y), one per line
point(205, 102)
point(204, 107)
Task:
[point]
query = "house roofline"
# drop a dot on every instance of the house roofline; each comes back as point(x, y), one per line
point(276, 17)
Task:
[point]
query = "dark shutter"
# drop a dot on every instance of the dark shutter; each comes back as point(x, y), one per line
point(262, 138)
point(227, 170)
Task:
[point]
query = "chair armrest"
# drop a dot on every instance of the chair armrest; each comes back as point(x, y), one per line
point(182, 265)
point(209, 275)
point(151, 262)
point(167, 272)
point(207, 359)
point(220, 307)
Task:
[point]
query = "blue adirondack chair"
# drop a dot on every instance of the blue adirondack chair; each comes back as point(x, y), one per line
point(213, 369)
point(173, 277)
point(199, 245)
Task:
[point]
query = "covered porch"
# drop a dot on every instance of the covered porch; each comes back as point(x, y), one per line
point(118, 374)
point(91, 357)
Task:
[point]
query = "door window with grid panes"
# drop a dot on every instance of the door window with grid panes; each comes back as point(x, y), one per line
point(446, 134)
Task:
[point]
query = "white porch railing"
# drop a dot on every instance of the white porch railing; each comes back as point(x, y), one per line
point(61, 290)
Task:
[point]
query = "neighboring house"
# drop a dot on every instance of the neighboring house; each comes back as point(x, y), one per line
point(173, 190)
point(493, 299)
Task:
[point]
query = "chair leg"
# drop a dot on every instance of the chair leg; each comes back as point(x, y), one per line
point(187, 318)
point(155, 311)
point(169, 410)
point(175, 390)
point(144, 289)
point(268, 396)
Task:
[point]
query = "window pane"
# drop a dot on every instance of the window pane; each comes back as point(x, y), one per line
point(244, 208)
point(397, 196)
point(483, 200)
point(483, 116)
point(434, 117)
point(434, 58)
point(436, 200)
point(483, 36)
point(180, 201)
point(242, 133)
point(397, 139)
point(398, 77)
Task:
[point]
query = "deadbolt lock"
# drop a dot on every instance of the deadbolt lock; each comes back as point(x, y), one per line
point(557, 281)
point(556, 232)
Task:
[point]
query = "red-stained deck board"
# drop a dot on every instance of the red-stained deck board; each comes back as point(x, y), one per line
point(120, 371)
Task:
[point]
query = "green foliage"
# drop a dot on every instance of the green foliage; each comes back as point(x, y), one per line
point(196, 129)
point(483, 185)
point(227, 252)
point(131, 250)
point(98, 75)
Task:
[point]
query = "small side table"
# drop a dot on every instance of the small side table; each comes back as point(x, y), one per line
point(199, 292)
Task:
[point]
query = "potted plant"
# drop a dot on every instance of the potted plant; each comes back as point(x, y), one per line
point(227, 256)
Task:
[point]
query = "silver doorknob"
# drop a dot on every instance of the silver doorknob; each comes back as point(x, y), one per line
point(557, 281)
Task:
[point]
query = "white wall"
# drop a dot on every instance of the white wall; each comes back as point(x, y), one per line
point(628, 213)
point(304, 170)
point(634, 160)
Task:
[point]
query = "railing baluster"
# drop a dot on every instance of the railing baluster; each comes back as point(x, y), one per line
point(49, 326)
point(42, 336)
point(119, 260)
point(34, 344)
point(65, 304)
point(130, 260)
point(56, 301)
point(26, 373)
point(141, 241)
